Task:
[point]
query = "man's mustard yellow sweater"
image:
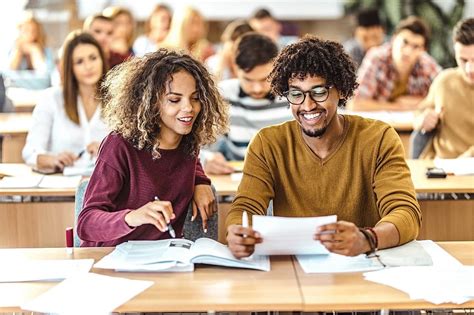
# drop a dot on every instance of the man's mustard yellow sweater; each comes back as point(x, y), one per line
point(365, 180)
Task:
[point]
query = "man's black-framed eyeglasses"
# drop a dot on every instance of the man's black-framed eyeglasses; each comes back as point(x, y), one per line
point(318, 94)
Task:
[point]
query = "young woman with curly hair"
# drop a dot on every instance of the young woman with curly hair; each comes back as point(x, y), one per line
point(162, 108)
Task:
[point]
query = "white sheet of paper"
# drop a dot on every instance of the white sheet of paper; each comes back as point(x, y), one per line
point(461, 166)
point(447, 281)
point(57, 181)
point(104, 294)
point(289, 236)
point(334, 263)
point(84, 166)
point(20, 182)
point(43, 270)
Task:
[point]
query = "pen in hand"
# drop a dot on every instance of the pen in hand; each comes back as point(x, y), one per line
point(245, 221)
point(81, 154)
point(170, 227)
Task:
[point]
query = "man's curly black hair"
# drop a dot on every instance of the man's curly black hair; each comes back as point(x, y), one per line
point(312, 56)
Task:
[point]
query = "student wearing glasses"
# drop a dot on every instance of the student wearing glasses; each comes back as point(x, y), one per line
point(324, 163)
point(398, 74)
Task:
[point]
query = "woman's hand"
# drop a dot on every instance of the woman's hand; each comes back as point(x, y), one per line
point(204, 201)
point(93, 148)
point(55, 162)
point(158, 213)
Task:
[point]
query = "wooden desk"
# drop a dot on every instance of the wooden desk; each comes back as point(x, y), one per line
point(208, 288)
point(34, 223)
point(349, 291)
point(14, 128)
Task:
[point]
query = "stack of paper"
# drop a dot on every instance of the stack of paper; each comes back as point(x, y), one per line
point(39, 181)
point(43, 270)
point(461, 166)
point(446, 281)
point(104, 294)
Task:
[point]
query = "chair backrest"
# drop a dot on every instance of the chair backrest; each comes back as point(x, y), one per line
point(418, 142)
point(192, 229)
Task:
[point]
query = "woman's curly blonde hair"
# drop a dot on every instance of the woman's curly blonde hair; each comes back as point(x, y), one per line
point(132, 92)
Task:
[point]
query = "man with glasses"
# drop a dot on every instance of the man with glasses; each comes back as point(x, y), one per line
point(324, 163)
point(252, 106)
point(397, 75)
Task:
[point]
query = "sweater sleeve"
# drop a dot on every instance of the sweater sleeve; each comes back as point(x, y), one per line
point(394, 190)
point(201, 178)
point(256, 187)
point(99, 220)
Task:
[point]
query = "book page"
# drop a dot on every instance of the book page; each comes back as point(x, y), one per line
point(460, 166)
point(209, 251)
point(289, 236)
point(60, 182)
point(20, 182)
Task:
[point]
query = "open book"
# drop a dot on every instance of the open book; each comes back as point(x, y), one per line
point(40, 181)
point(175, 255)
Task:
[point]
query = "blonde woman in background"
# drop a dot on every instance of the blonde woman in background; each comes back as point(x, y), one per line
point(30, 51)
point(188, 31)
point(124, 29)
point(156, 29)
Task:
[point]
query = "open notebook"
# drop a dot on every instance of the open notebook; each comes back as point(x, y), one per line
point(176, 255)
point(39, 181)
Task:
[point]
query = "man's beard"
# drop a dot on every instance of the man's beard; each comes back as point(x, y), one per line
point(315, 133)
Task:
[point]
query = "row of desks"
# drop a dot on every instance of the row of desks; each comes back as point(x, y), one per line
point(42, 224)
point(285, 288)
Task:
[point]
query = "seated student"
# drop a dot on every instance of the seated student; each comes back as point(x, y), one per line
point(368, 33)
point(162, 108)
point(30, 61)
point(102, 28)
point(324, 163)
point(156, 28)
point(221, 63)
point(124, 28)
point(263, 22)
point(449, 106)
point(397, 75)
point(67, 120)
point(252, 106)
point(188, 31)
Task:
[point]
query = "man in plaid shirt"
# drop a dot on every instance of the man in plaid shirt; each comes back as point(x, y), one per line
point(397, 75)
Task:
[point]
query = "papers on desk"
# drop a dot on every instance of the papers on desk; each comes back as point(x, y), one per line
point(289, 236)
point(446, 281)
point(43, 270)
point(176, 255)
point(460, 166)
point(104, 294)
point(39, 181)
point(410, 254)
point(84, 166)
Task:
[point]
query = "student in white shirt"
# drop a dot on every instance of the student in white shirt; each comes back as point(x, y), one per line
point(67, 120)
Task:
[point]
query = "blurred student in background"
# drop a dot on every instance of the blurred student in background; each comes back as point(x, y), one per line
point(398, 74)
point(162, 107)
point(102, 29)
point(156, 28)
point(188, 31)
point(263, 22)
point(67, 120)
point(221, 63)
point(448, 110)
point(368, 33)
point(252, 106)
point(124, 30)
point(30, 61)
